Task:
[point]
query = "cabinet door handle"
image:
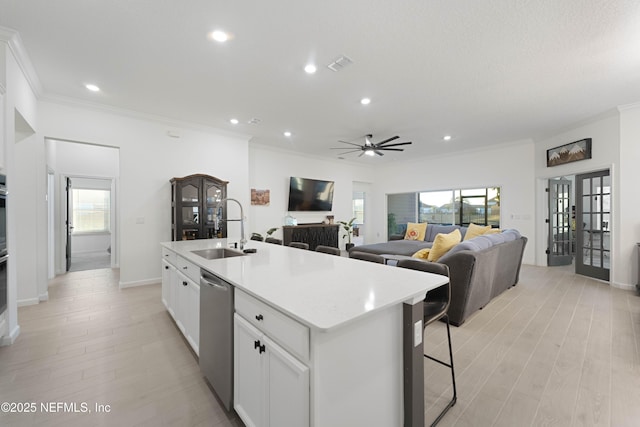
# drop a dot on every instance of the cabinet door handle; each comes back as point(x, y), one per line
point(184, 283)
point(259, 317)
point(262, 349)
point(256, 344)
point(166, 267)
point(185, 267)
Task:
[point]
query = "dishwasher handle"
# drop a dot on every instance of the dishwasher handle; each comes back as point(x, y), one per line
point(214, 282)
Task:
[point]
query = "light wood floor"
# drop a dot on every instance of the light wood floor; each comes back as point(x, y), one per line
point(558, 349)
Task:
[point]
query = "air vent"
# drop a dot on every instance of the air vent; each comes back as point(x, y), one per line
point(254, 121)
point(339, 63)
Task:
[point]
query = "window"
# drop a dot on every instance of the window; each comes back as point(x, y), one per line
point(461, 207)
point(358, 207)
point(91, 211)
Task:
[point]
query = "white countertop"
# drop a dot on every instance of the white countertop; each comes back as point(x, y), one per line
point(319, 290)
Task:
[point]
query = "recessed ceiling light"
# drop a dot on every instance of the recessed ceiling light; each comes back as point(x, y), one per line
point(233, 121)
point(447, 138)
point(220, 36)
point(365, 101)
point(92, 87)
point(310, 69)
point(287, 134)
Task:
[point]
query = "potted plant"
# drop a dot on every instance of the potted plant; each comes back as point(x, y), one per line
point(348, 232)
point(258, 236)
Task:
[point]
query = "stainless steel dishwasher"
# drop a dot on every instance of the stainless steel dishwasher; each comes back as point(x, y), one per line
point(216, 335)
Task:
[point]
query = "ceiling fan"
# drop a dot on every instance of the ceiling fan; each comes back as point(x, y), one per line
point(371, 149)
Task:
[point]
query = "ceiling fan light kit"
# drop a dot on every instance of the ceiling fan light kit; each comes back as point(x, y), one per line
point(371, 149)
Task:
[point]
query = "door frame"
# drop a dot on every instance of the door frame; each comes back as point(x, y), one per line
point(542, 208)
point(60, 196)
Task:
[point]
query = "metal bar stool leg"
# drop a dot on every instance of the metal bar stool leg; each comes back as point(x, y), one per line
point(453, 375)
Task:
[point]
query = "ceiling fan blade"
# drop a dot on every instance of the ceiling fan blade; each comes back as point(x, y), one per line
point(396, 144)
point(391, 149)
point(387, 140)
point(361, 154)
point(350, 143)
point(378, 153)
point(347, 152)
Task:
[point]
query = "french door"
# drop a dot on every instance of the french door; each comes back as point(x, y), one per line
point(560, 239)
point(593, 219)
point(68, 223)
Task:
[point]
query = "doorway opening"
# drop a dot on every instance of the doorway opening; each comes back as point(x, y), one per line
point(83, 205)
point(88, 223)
point(579, 223)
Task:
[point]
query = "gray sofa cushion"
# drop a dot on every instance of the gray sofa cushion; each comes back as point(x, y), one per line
point(435, 229)
point(396, 247)
point(496, 239)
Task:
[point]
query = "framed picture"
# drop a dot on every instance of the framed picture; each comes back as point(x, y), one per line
point(578, 150)
point(260, 197)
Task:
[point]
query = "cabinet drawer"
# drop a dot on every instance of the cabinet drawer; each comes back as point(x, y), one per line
point(189, 269)
point(169, 256)
point(280, 328)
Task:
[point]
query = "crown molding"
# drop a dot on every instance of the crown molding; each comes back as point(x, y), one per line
point(14, 41)
point(137, 115)
point(628, 107)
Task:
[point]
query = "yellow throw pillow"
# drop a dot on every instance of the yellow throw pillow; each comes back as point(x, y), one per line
point(475, 231)
point(443, 243)
point(422, 253)
point(415, 231)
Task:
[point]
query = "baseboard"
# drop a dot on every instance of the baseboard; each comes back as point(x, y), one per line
point(30, 301)
point(133, 284)
point(44, 297)
point(11, 338)
point(624, 286)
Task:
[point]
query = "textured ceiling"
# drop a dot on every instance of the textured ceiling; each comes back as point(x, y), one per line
point(485, 72)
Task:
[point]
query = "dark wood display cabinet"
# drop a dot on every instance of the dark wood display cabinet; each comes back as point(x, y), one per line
point(313, 234)
point(194, 210)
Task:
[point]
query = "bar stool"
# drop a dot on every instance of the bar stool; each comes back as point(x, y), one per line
point(436, 304)
point(328, 250)
point(365, 256)
point(273, 240)
point(299, 245)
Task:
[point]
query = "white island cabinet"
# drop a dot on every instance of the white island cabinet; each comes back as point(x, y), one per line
point(321, 340)
point(181, 294)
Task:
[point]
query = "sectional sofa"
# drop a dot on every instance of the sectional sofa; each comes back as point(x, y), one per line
point(480, 268)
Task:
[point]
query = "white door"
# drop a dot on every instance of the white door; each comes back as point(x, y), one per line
point(181, 284)
point(288, 392)
point(167, 284)
point(193, 313)
point(249, 381)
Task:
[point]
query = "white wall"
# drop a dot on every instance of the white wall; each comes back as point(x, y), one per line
point(605, 154)
point(629, 173)
point(149, 158)
point(271, 169)
point(26, 278)
point(506, 166)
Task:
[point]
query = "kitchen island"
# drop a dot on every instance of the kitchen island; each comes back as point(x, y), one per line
point(320, 340)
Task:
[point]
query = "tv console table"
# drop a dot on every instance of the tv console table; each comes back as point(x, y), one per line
point(314, 234)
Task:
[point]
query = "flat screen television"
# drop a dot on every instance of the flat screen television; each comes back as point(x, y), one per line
point(310, 195)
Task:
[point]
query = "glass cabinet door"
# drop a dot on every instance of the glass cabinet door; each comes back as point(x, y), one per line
point(190, 194)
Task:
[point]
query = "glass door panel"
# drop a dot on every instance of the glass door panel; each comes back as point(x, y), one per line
point(594, 259)
point(190, 193)
point(559, 250)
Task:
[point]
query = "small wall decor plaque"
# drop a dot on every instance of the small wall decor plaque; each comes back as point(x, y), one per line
point(578, 150)
point(260, 197)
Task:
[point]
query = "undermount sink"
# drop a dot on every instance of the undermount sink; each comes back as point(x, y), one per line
point(217, 253)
